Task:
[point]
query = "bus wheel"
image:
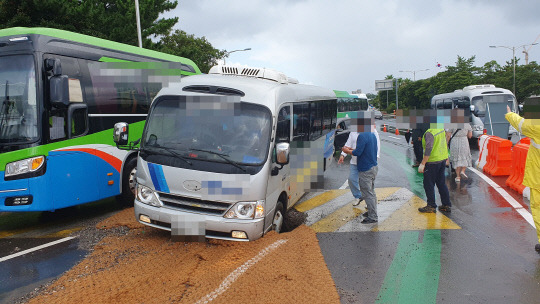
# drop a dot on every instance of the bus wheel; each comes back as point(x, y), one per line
point(128, 182)
point(278, 223)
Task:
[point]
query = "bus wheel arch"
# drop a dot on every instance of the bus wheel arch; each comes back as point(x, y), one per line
point(280, 214)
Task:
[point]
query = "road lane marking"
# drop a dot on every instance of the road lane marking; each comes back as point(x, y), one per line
point(338, 214)
point(5, 234)
point(233, 276)
point(393, 137)
point(413, 276)
point(319, 200)
point(337, 219)
point(407, 217)
point(61, 233)
point(9, 257)
point(515, 204)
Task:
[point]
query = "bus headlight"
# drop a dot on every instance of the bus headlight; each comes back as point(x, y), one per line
point(147, 196)
point(28, 165)
point(246, 210)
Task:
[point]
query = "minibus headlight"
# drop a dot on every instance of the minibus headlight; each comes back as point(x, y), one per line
point(246, 210)
point(478, 128)
point(24, 166)
point(147, 196)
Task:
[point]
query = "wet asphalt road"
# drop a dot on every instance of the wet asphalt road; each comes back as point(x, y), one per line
point(21, 275)
point(490, 259)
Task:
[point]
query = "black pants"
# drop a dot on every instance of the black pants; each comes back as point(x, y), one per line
point(434, 175)
point(418, 150)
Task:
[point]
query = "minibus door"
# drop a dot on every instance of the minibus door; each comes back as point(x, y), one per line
point(280, 173)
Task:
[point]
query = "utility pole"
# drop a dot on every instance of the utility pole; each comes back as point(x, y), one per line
point(513, 48)
point(397, 100)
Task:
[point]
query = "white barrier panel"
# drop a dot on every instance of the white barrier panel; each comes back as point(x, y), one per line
point(482, 155)
point(527, 193)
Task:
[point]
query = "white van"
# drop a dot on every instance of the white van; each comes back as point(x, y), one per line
point(224, 155)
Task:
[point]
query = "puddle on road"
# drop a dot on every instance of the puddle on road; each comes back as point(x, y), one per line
point(30, 271)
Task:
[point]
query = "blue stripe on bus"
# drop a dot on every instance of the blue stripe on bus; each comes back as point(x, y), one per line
point(71, 178)
point(158, 178)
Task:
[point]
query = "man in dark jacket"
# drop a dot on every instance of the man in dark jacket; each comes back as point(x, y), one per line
point(416, 136)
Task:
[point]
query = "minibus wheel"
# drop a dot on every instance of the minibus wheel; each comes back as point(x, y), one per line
point(278, 223)
point(129, 176)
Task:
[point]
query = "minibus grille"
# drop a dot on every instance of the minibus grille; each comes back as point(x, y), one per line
point(194, 205)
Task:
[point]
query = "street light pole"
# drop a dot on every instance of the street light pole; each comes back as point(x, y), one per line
point(137, 14)
point(513, 48)
point(414, 72)
point(227, 54)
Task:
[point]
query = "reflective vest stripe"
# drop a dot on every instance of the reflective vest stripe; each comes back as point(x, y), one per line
point(520, 124)
point(534, 144)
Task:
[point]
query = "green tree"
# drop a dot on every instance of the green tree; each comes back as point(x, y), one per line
point(197, 49)
point(108, 19)
point(527, 81)
point(113, 20)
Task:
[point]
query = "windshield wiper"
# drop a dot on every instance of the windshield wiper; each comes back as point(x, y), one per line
point(170, 151)
point(223, 156)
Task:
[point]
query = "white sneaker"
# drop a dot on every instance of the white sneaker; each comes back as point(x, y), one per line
point(357, 201)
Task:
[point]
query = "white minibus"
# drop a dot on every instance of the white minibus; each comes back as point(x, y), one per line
point(224, 155)
point(475, 97)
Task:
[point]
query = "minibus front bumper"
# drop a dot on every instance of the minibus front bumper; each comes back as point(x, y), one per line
point(216, 227)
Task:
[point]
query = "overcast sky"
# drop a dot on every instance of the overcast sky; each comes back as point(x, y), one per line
point(348, 44)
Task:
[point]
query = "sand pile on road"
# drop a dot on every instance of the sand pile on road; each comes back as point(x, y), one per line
point(144, 266)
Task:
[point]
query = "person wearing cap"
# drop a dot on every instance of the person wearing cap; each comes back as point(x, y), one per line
point(530, 127)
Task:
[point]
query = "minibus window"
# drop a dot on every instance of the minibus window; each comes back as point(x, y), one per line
point(283, 131)
point(203, 128)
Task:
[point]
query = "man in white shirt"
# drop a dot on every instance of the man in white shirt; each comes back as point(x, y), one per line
point(353, 170)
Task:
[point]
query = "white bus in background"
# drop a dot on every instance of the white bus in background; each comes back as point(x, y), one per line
point(363, 99)
point(224, 155)
point(475, 97)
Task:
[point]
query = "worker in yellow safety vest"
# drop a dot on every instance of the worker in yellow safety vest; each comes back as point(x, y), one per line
point(433, 166)
point(531, 178)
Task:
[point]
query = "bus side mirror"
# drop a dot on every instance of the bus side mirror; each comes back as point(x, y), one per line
point(78, 119)
point(472, 108)
point(520, 108)
point(120, 135)
point(59, 91)
point(282, 153)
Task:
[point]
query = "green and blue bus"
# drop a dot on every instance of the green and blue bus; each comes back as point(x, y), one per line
point(58, 108)
point(349, 103)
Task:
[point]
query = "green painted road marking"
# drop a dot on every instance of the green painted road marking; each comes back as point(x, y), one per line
point(416, 180)
point(413, 276)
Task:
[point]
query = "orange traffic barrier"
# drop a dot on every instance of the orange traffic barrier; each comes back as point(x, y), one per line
point(519, 155)
point(483, 140)
point(525, 140)
point(499, 158)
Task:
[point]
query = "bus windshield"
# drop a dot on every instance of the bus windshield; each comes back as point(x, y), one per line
point(479, 102)
point(236, 133)
point(18, 106)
